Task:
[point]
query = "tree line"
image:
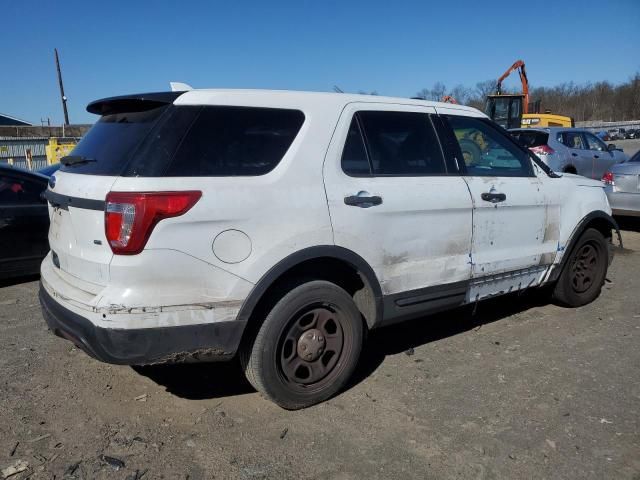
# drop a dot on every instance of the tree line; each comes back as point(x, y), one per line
point(584, 102)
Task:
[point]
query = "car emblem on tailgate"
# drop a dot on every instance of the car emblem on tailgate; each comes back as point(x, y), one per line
point(52, 181)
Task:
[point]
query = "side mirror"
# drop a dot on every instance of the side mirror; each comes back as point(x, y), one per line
point(611, 147)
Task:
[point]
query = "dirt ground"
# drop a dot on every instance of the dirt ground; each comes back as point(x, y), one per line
point(521, 389)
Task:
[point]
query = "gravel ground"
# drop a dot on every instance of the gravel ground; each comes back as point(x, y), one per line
point(521, 389)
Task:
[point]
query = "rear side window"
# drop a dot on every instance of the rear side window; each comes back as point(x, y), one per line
point(530, 139)
point(572, 140)
point(230, 141)
point(397, 143)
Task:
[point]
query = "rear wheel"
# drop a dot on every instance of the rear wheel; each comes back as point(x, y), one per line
point(307, 347)
point(583, 275)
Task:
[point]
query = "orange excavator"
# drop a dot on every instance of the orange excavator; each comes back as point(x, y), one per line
point(513, 110)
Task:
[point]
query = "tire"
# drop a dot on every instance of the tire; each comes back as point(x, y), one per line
point(584, 273)
point(307, 347)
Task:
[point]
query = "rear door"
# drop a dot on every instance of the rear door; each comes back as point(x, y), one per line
point(511, 244)
point(395, 202)
point(626, 177)
point(24, 222)
point(579, 155)
point(601, 157)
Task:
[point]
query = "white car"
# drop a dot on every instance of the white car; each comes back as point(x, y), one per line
point(279, 225)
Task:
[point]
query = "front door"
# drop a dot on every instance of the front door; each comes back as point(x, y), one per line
point(515, 231)
point(395, 202)
point(602, 157)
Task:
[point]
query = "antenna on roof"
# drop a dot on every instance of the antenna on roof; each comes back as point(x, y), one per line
point(337, 89)
point(180, 87)
point(62, 95)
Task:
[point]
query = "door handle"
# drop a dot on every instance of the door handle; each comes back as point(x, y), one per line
point(363, 200)
point(596, 156)
point(574, 154)
point(493, 197)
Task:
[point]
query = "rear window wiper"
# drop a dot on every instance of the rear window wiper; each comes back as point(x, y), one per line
point(75, 160)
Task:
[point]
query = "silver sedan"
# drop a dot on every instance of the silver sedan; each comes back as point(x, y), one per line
point(623, 187)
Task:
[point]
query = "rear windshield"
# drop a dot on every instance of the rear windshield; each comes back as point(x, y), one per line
point(530, 139)
point(185, 141)
point(107, 146)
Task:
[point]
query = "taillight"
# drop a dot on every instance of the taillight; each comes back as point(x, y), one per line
point(542, 150)
point(607, 178)
point(130, 218)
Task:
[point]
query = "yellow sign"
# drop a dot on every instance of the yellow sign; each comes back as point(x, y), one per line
point(55, 151)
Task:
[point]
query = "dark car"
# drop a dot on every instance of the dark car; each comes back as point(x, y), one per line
point(24, 222)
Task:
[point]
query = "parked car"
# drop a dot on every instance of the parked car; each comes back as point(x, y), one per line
point(570, 150)
point(24, 222)
point(614, 134)
point(623, 187)
point(632, 133)
point(283, 225)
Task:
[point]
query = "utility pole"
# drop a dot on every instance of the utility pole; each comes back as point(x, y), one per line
point(64, 98)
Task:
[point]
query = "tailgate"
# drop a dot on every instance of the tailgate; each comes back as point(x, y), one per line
point(626, 182)
point(626, 177)
point(76, 235)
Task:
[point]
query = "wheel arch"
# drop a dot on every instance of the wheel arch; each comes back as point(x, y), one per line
point(570, 168)
point(598, 219)
point(326, 262)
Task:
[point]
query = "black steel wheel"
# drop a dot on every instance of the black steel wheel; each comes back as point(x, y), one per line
point(585, 271)
point(307, 347)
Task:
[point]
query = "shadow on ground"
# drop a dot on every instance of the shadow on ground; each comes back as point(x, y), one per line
point(217, 380)
point(631, 224)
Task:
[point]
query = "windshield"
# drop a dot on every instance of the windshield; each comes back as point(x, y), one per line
point(530, 138)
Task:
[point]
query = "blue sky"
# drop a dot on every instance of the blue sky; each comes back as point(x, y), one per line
point(395, 48)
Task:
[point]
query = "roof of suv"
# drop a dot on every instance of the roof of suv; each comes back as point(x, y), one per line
point(271, 98)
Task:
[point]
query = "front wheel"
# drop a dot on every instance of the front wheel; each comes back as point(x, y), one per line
point(584, 273)
point(307, 347)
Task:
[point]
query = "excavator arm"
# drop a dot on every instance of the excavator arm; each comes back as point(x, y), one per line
point(517, 65)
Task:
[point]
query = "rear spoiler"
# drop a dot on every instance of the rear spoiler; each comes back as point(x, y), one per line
point(132, 103)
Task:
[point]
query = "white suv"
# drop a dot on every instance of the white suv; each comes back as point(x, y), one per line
point(282, 225)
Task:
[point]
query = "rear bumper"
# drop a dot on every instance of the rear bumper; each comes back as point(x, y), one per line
point(623, 203)
point(142, 346)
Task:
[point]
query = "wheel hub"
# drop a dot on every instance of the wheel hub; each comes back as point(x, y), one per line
point(311, 345)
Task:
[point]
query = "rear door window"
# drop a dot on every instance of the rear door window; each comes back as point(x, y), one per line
point(354, 156)
point(401, 143)
point(595, 143)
